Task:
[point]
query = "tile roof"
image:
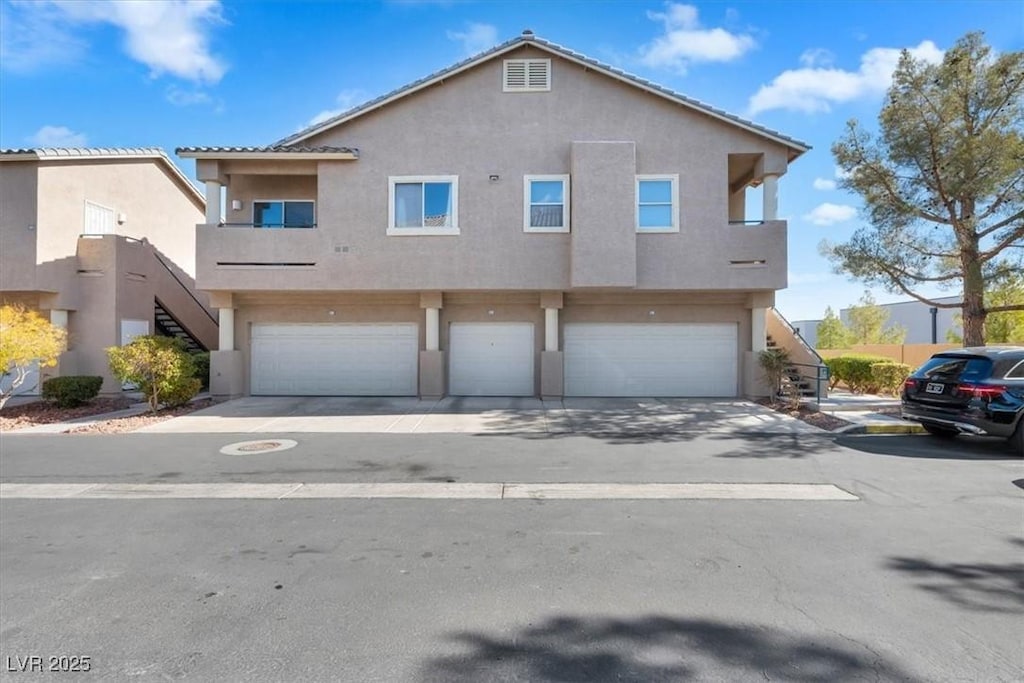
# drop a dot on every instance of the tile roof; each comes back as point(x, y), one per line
point(273, 149)
point(528, 38)
point(103, 153)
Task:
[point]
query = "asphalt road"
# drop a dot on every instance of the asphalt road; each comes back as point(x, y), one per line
point(921, 579)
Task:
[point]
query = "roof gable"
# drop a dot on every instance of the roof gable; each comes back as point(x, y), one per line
point(88, 154)
point(797, 147)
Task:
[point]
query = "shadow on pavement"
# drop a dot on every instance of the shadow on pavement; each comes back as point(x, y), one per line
point(656, 648)
point(924, 446)
point(979, 586)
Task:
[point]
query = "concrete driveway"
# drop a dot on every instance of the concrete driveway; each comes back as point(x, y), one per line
point(484, 416)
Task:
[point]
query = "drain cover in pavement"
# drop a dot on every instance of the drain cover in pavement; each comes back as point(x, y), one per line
point(254, 447)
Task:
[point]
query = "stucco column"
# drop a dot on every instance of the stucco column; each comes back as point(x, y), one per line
point(226, 322)
point(770, 189)
point(551, 371)
point(432, 370)
point(212, 203)
point(433, 329)
point(59, 318)
point(758, 329)
point(550, 329)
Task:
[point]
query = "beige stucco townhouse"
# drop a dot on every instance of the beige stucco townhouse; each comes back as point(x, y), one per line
point(102, 242)
point(529, 222)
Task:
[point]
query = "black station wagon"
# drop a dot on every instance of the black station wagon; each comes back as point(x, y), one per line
point(974, 391)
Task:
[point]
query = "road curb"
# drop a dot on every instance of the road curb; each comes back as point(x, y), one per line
point(884, 429)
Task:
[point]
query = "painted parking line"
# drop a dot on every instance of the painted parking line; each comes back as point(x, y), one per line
point(464, 491)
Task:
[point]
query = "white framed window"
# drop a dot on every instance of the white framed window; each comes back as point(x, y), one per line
point(546, 203)
point(657, 203)
point(526, 75)
point(99, 219)
point(423, 205)
point(283, 213)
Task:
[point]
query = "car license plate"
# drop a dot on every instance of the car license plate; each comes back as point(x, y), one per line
point(933, 388)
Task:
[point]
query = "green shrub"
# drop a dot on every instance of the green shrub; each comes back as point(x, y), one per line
point(890, 376)
point(160, 366)
point(201, 360)
point(181, 392)
point(72, 390)
point(854, 371)
point(773, 363)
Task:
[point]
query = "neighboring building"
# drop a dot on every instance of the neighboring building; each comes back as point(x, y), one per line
point(808, 330)
point(102, 241)
point(526, 222)
point(924, 324)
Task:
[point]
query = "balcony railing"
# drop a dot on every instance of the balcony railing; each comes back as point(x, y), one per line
point(267, 226)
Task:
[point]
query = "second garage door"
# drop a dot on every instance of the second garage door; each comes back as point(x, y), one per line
point(334, 360)
point(490, 359)
point(621, 359)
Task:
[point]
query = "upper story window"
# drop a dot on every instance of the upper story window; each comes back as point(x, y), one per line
point(99, 220)
point(423, 205)
point(546, 203)
point(526, 75)
point(657, 203)
point(283, 214)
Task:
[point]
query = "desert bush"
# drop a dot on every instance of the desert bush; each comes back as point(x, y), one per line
point(201, 359)
point(890, 376)
point(774, 363)
point(160, 366)
point(854, 371)
point(72, 390)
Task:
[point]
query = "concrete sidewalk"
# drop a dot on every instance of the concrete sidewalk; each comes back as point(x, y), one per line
point(862, 411)
point(483, 416)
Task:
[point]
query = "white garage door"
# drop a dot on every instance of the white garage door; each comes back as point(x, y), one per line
point(650, 359)
point(490, 359)
point(335, 360)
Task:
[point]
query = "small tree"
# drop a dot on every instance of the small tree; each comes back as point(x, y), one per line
point(774, 363)
point(832, 333)
point(867, 324)
point(26, 338)
point(942, 182)
point(1006, 327)
point(160, 366)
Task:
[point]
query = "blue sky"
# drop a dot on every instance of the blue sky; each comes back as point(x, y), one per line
point(171, 74)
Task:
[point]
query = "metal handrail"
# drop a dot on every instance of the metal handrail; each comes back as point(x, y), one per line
point(264, 226)
point(822, 375)
point(797, 334)
point(751, 222)
point(185, 287)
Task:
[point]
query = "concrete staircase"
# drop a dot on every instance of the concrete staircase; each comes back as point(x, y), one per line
point(807, 371)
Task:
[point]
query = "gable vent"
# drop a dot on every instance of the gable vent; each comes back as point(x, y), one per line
point(527, 75)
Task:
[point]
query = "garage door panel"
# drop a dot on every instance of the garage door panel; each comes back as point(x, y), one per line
point(335, 360)
point(491, 359)
point(621, 359)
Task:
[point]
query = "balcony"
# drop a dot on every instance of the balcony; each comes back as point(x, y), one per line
point(240, 256)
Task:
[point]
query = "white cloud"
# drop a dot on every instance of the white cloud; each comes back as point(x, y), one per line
point(685, 41)
point(818, 85)
point(186, 98)
point(35, 36)
point(345, 100)
point(168, 36)
point(476, 38)
point(817, 56)
point(841, 174)
point(830, 214)
point(824, 184)
point(57, 136)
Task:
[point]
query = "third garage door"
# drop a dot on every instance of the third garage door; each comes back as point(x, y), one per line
point(490, 359)
point(622, 359)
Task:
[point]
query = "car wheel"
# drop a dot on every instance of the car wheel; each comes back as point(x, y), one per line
point(941, 432)
point(1017, 440)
